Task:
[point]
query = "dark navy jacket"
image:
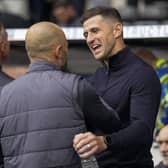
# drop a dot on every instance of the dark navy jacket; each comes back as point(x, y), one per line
point(40, 114)
point(132, 88)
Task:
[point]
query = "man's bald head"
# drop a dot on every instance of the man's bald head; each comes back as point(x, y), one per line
point(41, 39)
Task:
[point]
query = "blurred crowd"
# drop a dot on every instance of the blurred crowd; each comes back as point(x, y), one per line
point(23, 13)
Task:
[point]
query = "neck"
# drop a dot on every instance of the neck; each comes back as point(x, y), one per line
point(47, 59)
point(120, 47)
point(50, 59)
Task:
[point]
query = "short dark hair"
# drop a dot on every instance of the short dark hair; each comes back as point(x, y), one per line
point(103, 11)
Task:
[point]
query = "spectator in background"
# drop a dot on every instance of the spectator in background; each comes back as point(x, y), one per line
point(162, 140)
point(64, 13)
point(79, 6)
point(161, 67)
point(4, 51)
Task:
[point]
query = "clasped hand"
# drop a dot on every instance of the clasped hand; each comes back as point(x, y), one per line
point(88, 144)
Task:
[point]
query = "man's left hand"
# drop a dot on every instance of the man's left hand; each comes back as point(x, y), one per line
point(88, 144)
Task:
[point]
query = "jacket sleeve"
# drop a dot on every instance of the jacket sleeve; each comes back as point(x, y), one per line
point(144, 103)
point(94, 107)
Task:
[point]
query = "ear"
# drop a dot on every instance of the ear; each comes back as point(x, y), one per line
point(118, 30)
point(57, 50)
point(58, 55)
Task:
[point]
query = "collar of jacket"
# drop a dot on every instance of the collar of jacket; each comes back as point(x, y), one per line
point(118, 60)
point(42, 66)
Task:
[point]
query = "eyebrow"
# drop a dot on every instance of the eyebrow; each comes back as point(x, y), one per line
point(161, 141)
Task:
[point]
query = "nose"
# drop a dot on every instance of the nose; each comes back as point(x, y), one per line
point(90, 38)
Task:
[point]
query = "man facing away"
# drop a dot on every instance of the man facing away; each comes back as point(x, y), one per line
point(4, 51)
point(129, 86)
point(43, 110)
point(162, 140)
